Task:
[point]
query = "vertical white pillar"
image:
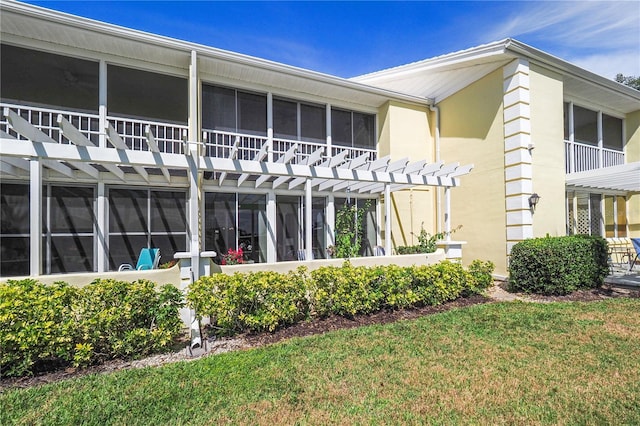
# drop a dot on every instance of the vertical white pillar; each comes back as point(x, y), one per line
point(193, 172)
point(329, 140)
point(270, 127)
point(330, 216)
point(600, 140)
point(101, 228)
point(572, 158)
point(308, 220)
point(102, 102)
point(387, 219)
point(35, 221)
point(271, 227)
point(447, 213)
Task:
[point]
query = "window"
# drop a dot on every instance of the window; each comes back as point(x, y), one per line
point(366, 207)
point(235, 221)
point(148, 95)
point(353, 129)
point(299, 121)
point(68, 224)
point(612, 132)
point(585, 125)
point(141, 218)
point(14, 229)
point(235, 111)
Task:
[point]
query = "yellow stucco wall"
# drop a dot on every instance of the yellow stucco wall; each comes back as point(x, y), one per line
point(548, 167)
point(632, 153)
point(405, 132)
point(472, 131)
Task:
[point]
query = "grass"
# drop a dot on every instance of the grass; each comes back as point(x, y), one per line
point(504, 363)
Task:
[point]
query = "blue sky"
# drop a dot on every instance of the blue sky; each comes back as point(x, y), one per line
point(352, 38)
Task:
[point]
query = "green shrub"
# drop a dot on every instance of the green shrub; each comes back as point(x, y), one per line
point(558, 265)
point(49, 326)
point(268, 300)
point(36, 326)
point(345, 290)
point(251, 302)
point(127, 319)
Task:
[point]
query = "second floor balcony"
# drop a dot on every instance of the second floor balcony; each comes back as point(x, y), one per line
point(580, 157)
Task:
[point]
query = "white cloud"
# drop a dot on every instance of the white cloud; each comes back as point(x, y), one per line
point(602, 36)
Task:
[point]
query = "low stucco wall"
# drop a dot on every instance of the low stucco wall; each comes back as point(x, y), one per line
point(159, 276)
point(284, 267)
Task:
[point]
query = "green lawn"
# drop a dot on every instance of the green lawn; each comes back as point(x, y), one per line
point(505, 363)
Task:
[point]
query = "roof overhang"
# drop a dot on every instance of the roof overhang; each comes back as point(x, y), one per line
point(623, 178)
point(32, 26)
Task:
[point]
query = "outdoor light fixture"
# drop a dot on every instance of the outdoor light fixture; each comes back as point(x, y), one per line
point(533, 201)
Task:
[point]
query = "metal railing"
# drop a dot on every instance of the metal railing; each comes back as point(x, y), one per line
point(169, 137)
point(580, 157)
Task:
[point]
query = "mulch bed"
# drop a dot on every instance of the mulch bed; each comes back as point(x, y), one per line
point(307, 328)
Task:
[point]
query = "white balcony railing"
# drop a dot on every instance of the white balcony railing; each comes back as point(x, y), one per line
point(580, 157)
point(220, 144)
point(169, 137)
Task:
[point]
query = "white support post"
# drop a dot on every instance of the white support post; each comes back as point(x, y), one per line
point(447, 213)
point(193, 171)
point(101, 228)
point(329, 139)
point(35, 221)
point(270, 127)
point(330, 216)
point(387, 219)
point(572, 158)
point(308, 221)
point(271, 230)
point(600, 141)
point(102, 102)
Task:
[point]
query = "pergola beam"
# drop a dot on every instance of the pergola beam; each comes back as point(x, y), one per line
point(153, 146)
point(118, 143)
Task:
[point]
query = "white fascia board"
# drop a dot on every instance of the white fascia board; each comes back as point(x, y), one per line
point(557, 64)
point(95, 26)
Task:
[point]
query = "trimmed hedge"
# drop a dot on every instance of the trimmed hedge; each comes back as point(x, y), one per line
point(50, 326)
point(558, 265)
point(267, 300)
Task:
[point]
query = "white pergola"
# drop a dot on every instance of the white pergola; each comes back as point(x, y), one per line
point(623, 178)
point(31, 150)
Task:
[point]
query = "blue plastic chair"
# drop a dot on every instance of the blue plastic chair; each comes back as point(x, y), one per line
point(636, 246)
point(149, 258)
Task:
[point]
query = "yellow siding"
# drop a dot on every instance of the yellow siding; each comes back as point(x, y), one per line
point(632, 153)
point(472, 132)
point(405, 132)
point(548, 155)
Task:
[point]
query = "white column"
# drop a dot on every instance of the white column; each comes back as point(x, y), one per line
point(101, 228)
point(308, 220)
point(102, 102)
point(192, 154)
point(572, 159)
point(329, 142)
point(35, 221)
point(330, 216)
point(447, 213)
point(600, 140)
point(387, 219)
point(270, 127)
point(271, 227)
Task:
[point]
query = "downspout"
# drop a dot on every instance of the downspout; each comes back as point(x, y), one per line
point(434, 108)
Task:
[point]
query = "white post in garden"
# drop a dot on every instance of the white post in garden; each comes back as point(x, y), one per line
point(192, 154)
point(101, 227)
point(308, 217)
point(447, 213)
point(387, 219)
point(331, 221)
point(271, 227)
point(35, 236)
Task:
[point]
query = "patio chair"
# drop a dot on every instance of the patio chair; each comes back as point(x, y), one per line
point(378, 251)
point(149, 258)
point(636, 245)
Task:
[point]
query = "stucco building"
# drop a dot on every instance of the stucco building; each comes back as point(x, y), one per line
point(113, 139)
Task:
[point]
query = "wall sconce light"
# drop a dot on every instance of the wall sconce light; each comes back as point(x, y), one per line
point(533, 201)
